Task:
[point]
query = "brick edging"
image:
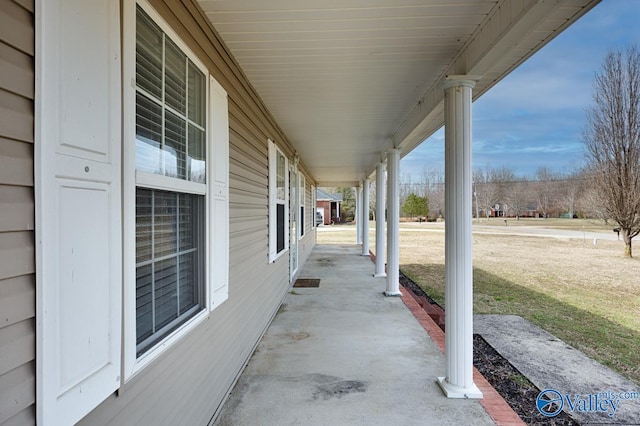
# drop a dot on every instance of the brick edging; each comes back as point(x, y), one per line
point(492, 402)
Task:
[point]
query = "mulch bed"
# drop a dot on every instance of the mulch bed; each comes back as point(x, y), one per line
point(512, 385)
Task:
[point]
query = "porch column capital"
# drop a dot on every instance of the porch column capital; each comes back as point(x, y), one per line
point(460, 80)
point(392, 151)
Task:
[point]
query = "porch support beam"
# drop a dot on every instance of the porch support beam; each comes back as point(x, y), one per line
point(393, 223)
point(380, 220)
point(358, 213)
point(365, 217)
point(458, 382)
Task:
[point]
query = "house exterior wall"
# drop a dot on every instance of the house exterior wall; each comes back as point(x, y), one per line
point(17, 259)
point(189, 381)
point(326, 205)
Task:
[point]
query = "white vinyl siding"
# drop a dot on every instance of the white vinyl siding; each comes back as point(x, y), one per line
point(17, 243)
point(278, 202)
point(303, 217)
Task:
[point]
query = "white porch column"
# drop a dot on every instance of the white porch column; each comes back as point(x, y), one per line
point(358, 214)
point(380, 220)
point(458, 382)
point(365, 217)
point(393, 223)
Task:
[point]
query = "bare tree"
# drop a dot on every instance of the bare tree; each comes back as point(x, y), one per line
point(485, 190)
point(612, 140)
point(590, 202)
point(569, 192)
point(517, 195)
point(502, 178)
point(433, 190)
point(545, 190)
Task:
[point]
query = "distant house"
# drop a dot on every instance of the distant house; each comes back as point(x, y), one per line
point(328, 205)
point(503, 210)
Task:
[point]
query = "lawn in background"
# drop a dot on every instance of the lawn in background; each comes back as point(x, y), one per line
point(584, 293)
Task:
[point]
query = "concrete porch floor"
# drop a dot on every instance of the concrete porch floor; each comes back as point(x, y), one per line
point(344, 354)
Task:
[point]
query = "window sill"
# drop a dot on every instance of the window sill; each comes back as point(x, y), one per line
point(148, 357)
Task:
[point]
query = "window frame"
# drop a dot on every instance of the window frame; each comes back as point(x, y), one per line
point(132, 179)
point(301, 204)
point(313, 208)
point(274, 201)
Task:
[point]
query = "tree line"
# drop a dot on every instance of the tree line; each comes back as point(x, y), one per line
point(499, 192)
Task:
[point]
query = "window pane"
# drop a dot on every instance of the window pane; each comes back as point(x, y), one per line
point(175, 146)
point(166, 292)
point(165, 144)
point(148, 55)
point(187, 293)
point(170, 269)
point(197, 95)
point(144, 304)
point(197, 156)
point(148, 135)
point(280, 177)
point(165, 221)
point(187, 221)
point(175, 77)
point(143, 225)
point(280, 227)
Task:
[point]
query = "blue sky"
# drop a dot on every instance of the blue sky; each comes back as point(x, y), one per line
point(535, 116)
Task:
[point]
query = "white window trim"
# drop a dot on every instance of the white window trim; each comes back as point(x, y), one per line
point(131, 363)
point(313, 206)
point(273, 201)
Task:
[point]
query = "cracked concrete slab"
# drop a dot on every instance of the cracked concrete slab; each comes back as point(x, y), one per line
point(550, 363)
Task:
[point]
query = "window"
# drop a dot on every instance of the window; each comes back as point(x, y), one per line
point(170, 222)
point(302, 201)
point(176, 207)
point(278, 200)
point(313, 208)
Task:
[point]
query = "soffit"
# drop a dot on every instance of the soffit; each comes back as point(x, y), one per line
point(348, 79)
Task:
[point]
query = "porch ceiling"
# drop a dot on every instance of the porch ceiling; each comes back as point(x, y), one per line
point(348, 79)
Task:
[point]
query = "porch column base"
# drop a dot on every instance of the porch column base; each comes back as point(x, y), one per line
point(392, 293)
point(453, 391)
point(383, 275)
